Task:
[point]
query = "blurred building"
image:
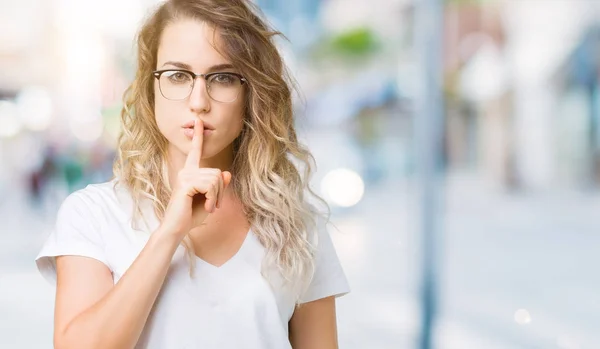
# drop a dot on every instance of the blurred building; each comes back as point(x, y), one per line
point(506, 116)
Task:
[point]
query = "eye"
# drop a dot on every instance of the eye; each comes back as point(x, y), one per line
point(224, 79)
point(177, 77)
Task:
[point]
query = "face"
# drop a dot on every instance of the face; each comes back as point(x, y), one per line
point(188, 44)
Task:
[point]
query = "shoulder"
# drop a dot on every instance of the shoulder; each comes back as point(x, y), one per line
point(79, 229)
point(317, 227)
point(100, 194)
point(97, 200)
point(97, 193)
point(328, 278)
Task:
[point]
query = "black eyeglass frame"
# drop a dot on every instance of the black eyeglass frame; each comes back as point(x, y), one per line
point(158, 73)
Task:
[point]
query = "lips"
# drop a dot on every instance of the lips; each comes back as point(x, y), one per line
point(190, 125)
point(188, 129)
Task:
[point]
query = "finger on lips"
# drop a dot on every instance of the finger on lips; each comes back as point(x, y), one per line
point(215, 193)
point(195, 154)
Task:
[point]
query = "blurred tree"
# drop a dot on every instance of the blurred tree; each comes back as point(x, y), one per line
point(358, 43)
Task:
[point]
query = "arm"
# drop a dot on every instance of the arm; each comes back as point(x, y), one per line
point(92, 313)
point(313, 325)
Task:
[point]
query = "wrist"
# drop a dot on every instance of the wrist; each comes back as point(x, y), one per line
point(166, 237)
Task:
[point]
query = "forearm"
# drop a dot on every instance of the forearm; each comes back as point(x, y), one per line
point(117, 320)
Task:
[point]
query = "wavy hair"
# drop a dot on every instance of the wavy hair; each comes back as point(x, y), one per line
point(271, 169)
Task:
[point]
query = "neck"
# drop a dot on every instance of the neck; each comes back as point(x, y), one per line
point(176, 161)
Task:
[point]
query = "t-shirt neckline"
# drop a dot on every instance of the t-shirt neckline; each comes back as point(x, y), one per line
point(230, 260)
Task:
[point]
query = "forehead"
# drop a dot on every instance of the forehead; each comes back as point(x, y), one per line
point(192, 42)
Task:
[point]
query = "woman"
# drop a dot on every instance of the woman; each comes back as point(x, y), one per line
point(205, 237)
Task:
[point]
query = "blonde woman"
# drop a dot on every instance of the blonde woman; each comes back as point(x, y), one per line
point(205, 237)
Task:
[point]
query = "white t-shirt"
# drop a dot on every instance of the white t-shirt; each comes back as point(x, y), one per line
point(227, 307)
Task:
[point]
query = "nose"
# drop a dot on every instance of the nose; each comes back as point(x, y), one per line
point(199, 100)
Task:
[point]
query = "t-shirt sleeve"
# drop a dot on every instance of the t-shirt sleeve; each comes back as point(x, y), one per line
point(329, 278)
point(76, 233)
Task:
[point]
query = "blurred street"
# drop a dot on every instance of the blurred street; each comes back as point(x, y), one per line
point(493, 265)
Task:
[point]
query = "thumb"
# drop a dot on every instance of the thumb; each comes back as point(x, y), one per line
point(226, 178)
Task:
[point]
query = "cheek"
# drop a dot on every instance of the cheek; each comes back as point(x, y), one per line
point(237, 122)
point(159, 113)
point(162, 111)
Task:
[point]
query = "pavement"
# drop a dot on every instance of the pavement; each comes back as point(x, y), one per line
point(516, 270)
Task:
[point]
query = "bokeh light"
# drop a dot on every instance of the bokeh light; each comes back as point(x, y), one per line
point(10, 125)
point(35, 108)
point(522, 317)
point(343, 187)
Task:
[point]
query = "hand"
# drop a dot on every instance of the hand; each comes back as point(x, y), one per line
point(196, 189)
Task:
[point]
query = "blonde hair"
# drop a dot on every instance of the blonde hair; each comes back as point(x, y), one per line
point(274, 191)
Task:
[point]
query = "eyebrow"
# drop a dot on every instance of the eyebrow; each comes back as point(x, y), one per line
point(213, 68)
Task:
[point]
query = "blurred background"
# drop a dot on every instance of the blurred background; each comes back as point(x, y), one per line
point(513, 256)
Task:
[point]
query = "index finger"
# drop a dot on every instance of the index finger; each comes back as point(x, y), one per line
point(195, 154)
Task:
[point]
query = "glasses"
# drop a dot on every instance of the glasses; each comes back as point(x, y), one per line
point(177, 84)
